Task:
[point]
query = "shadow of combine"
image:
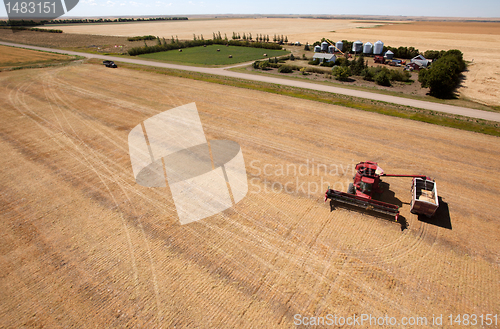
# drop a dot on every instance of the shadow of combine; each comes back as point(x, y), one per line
point(388, 195)
point(441, 218)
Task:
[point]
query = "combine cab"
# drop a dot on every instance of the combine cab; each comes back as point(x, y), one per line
point(367, 182)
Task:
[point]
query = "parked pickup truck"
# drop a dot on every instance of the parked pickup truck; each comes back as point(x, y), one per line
point(109, 64)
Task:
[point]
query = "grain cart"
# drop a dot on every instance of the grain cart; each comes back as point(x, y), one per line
point(367, 182)
point(424, 198)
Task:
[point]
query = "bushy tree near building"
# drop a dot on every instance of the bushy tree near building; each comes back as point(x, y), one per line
point(341, 73)
point(444, 75)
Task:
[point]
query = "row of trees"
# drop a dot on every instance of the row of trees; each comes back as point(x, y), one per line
point(35, 29)
point(403, 52)
point(23, 22)
point(144, 37)
point(164, 45)
point(260, 37)
point(115, 20)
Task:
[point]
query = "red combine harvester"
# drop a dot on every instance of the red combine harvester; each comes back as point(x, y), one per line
point(367, 183)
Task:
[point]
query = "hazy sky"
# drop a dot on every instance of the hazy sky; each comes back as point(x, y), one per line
point(448, 8)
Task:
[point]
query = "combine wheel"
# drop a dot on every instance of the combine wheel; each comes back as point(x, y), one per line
point(350, 189)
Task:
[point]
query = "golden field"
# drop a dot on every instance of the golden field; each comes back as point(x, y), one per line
point(10, 57)
point(479, 41)
point(82, 245)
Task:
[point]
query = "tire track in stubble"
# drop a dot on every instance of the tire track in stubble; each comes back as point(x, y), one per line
point(291, 256)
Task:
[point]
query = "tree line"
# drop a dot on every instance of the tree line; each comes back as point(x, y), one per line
point(34, 29)
point(23, 22)
point(115, 20)
point(144, 37)
point(260, 37)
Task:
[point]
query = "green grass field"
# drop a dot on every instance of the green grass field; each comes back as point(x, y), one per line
point(210, 56)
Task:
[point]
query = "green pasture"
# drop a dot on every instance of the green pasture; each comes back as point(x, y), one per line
point(210, 56)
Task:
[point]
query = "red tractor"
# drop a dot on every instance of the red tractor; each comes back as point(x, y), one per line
point(366, 184)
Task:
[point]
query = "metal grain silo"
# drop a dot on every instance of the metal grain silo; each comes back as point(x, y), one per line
point(367, 48)
point(339, 45)
point(317, 49)
point(378, 48)
point(357, 46)
point(331, 49)
point(324, 46)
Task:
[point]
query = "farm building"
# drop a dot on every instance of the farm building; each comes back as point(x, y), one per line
point(325, 57)
point(420, 60)
point(388, 54)
point(413, 67)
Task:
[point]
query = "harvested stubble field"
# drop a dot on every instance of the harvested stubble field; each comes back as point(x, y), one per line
point(78, 42)
point(15, 57)
point(479, 41)
point(83, 245)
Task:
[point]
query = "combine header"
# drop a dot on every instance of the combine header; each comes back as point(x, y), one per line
point(367, 183)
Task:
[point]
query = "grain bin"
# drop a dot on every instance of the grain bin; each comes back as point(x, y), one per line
point(389, 54)
point(324, 46)
point(357, 46)
point(339, 45)
point(331, 49)
point(317, 49)
point(378, 48)
point(367, 48)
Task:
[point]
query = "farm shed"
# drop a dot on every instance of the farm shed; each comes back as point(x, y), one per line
point(420, 60)
point(325, 57)
point(413, 66)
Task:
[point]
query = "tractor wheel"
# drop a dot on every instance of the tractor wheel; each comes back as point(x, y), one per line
point(350, 189)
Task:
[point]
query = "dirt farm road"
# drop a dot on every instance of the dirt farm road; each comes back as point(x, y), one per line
point(491, 116)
